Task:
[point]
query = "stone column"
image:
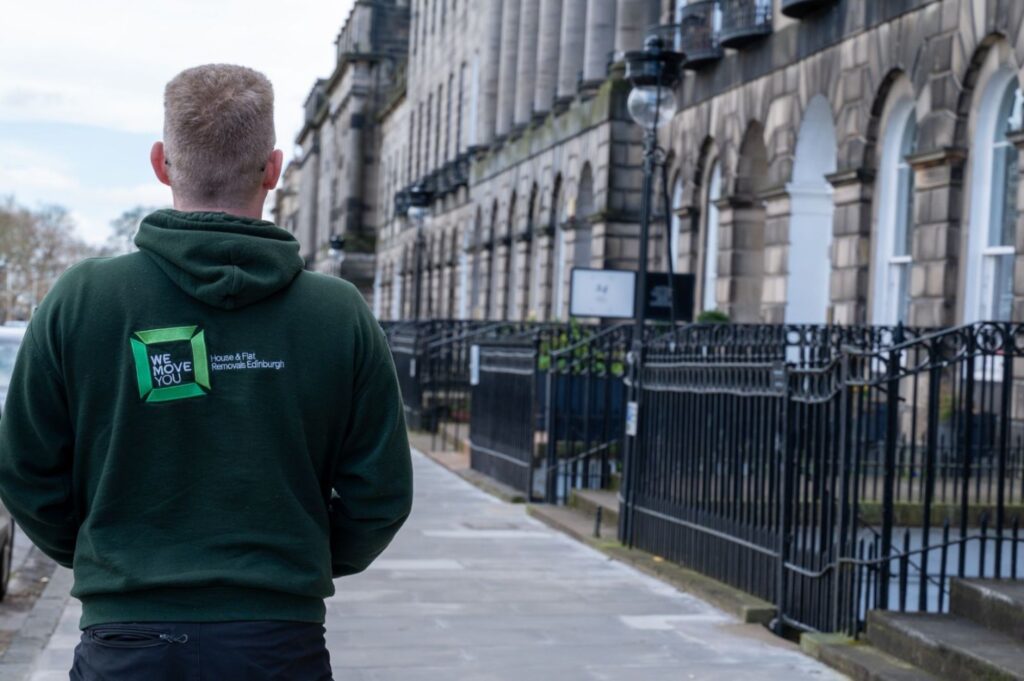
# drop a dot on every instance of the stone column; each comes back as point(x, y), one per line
point(490, 60)
point(570, 58)
point(507, 68)
point(545, 273)
point(777, 212)
point(547, 56)
point(635, 17)
point(499, 296)
point(526, 71)
point(851, 246)
point(741, 222)
point(938, 185)
point(600, 41)
point(482, 308)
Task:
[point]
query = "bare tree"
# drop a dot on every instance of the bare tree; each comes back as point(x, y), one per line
point(125, 227)
point(36, 247)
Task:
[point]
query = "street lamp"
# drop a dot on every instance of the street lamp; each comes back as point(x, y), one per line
point(420, 198)
point(654, 72)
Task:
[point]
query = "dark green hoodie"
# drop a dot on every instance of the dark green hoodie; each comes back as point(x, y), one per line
point(203, 430)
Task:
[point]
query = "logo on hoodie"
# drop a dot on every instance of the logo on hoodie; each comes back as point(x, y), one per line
point(171, 364)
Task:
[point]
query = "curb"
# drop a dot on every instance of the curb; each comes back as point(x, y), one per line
point(748, 609)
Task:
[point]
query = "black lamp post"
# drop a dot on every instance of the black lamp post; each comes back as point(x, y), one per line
point(420, 198)
point(654, 72)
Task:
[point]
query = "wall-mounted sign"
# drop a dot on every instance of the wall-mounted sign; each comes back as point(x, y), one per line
point(658, 296)
point(610, 294)
point(602, 293)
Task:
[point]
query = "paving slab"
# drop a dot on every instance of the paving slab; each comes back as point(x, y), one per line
point(473, 589)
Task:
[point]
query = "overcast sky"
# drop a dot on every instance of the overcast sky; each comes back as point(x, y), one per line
point(81, 87)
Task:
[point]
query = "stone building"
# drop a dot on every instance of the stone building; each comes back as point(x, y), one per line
point(329, 192)
point(847, 161)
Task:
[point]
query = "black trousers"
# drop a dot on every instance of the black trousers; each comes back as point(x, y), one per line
point(219, 651)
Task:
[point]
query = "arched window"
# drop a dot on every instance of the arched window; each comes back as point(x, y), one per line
point(558, 223)
point(675, 236)
point(811, 216)
point(895, 218)
point(994, 202)
point(583, 247)
point(547, 265)
point(510, 262)
point(477, 251)
point(529, 284)
point(709, 281)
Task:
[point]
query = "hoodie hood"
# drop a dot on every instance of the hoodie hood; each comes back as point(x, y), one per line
point(223, 260)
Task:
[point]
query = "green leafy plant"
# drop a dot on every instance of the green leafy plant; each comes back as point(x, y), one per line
point(713, 317)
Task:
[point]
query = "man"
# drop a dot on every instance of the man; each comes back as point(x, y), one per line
point(202, 430)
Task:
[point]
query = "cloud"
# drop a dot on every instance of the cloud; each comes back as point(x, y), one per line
point(38, 178)
point(106, 61)
point(104, 64)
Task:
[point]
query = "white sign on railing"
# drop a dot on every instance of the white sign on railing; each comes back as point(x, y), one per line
point(474, 365)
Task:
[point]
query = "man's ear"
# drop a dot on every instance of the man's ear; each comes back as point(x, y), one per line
point(272, 171)
point(159, 163)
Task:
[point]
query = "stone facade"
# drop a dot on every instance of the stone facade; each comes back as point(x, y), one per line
point(857, 164)
point(331, 188)
point(534, 163)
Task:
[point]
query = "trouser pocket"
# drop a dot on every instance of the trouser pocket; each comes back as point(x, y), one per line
point(135, 652)
point(126, 637)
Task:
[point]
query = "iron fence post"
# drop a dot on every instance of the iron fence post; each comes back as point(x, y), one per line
point(965, 482)
point(846, 454)
point(1004, 442)
point(889, 475)
point(551, 479)
point(786, 453)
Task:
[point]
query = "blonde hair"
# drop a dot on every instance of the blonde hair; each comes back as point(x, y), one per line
point(218, 133)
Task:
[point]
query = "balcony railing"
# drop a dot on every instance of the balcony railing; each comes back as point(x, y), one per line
point(801, 8)
point(698, 33)
point(744, 21)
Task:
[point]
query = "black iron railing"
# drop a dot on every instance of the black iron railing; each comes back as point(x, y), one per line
point(584, 412)
point(829, 470)
point(744, 21)
point(857, 469)
point(699, 24)
point(503, 410)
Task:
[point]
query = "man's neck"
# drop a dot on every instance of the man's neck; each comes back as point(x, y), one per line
point(254, 211)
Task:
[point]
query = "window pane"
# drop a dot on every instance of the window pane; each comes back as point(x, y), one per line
point(903, 293)
point(1002, 300)
point(1004, 200)
point(904, 210)
point(1011, 111)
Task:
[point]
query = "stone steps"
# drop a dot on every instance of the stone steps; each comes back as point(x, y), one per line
point(996, 604)
point(948, 646)
point(981, 639)
point(860, 661)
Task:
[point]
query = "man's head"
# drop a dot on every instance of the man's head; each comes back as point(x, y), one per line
point(218, 149)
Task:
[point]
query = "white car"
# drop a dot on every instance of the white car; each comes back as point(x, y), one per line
point(10, 341)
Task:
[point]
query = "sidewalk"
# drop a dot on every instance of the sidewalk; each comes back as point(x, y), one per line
point(475, 590)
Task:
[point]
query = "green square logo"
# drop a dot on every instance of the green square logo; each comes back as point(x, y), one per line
point(171, 364)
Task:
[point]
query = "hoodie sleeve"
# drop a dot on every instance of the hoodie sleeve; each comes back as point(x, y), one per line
point(373, 478)
point(36, 446)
